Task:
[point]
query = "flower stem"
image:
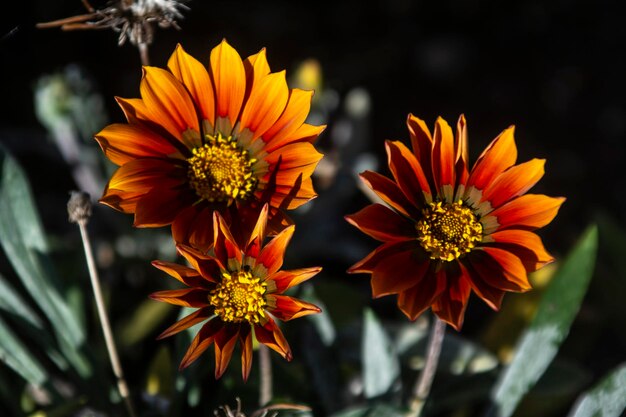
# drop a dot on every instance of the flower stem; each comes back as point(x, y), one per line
point(79, 208)
point(265, 366)
point(143, 53)
point(425, 379)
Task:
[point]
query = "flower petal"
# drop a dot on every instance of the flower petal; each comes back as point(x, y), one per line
point(122, 143)
point(167, 102)
point(256, 67)
point(225, 341)
point(525, 245)
point(382, 223)
point(270, 335)
point(461, 151)
point(421, 141)
point(186, 297)
point(245, 340)
point(514, 182)
point(408, 173)
point(398, 272)
point(498, 156)
point(192, 319)
point(229, 78)
point(286, 308)
point(226, 249)
point(287, 279)
point(266, 103)
point(418, 298)
point(257, 237)
point(443, 159)
point(500, 269)
point(209, 267)
point(160, 206)
point(450, 306)
point(184, 274)
point(528, 211)
point(292, 118)
point(194, 76)
point(194, 226)
point(271, 256)
point(367, 264)
point(201, 342)
point(389, 192)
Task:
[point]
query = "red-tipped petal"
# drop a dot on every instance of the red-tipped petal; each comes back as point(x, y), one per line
point(500, 269)
point(272, 255)
point(286, 308)
point(514, 182)
point(450, 306)
point(498, 156)
point(255, 241)
point(461, 151)
point(225, 246)
point(193, 226)
point(201, 342)
point(188, 276)
point(382, 223)
point(525, 245)
point(192, 319)
point(270, 335)
point(209, 267)
point(408, 173)
point(245, 341)
point(389, 192)
point(529, 211)
point(421, 141)
point(367, 264)
point(287, 279)
point(418, 298)
point(225, 341)
point(399, 272)
point(187, 297)
point(160, 206)
point(444, 159)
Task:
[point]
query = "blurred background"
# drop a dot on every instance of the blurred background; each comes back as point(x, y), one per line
point(554, 69)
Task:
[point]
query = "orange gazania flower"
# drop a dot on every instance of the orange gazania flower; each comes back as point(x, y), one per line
point(449, 230)
point(228, 139)
point(237, 289)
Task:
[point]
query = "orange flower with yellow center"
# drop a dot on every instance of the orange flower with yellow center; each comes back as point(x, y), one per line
point(237, 289)
point(226, 139)
point(448, 230)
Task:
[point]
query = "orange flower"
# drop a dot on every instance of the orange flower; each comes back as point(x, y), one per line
point(448, 230)
point(228, 139)
point(237, 289)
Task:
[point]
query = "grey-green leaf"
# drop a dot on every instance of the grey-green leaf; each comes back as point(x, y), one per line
point(15, 355)
point(606, 399)
point(556, 312)
point(381, 366)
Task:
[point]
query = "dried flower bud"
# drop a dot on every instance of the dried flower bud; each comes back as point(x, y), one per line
point(79, 207)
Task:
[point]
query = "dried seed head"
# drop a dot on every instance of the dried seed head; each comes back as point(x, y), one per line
point(79, 207)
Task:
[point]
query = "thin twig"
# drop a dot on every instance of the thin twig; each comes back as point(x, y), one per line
point(425, 379)
point(79, 208)
point(265, 366)
point(143, 52)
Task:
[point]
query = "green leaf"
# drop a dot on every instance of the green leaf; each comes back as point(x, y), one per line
point(13, 304)
point(24, 242)
point(381, 366)
point(16, 356)
point(146, 318)
point(555, 314)
point(379, 410)
point(606, 399)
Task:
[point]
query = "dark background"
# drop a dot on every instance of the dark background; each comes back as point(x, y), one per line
point(554, 69)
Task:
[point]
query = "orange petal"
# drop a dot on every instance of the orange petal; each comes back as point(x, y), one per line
point(160, 206)
point(255, 241)
point(421, 140)
point(122, 143)
point(226, 249)
point(514, 182)
point(295, 157)
point(186, 297)
point(245, 340)
point(229, 78)
point(225, 341)
point(461, 151)
point(271, 257)
point(167, 102)
point(266, 103)
point(209, 267)
point(498, 156)
point(188, 276)
point(288, 308)
point(408, 173)
point(490, 295)
point(292, 118)
point(194, 76)
point(450, 306)
point(135, 110)
point(201, 342)
point(382, 223)
point(271, 336)
point(500, 269)
point(530, 210)
point(194, 227)
point(287, 279)
point(398, 272)
point(418, 298)
point(443, 159)
point(256, 67)
point(389, 192)
point(192, 319)
point(367, 264)
point(525, 245)
point(299, 192)
point(304, 133)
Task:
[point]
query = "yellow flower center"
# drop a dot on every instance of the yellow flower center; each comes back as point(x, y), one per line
point(221, 171)
point(239, 297)
point(448, 230)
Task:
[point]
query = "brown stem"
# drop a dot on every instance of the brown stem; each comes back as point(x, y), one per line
point(265, 366)
point(143, 52)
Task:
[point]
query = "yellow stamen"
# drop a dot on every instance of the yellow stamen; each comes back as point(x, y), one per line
point(448, 230)
point(221, 171)
point(239, 297)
